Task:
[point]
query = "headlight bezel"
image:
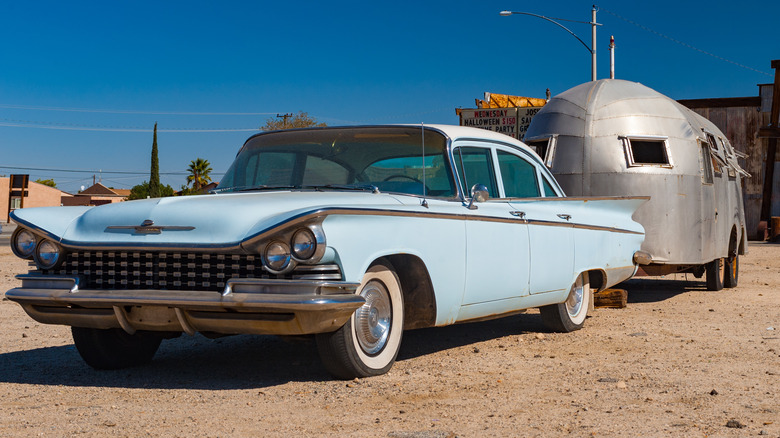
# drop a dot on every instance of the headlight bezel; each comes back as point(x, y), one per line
point(269, 261)
point(309, 252)
point(46, 262)
point(287, 235)
point(15, 243)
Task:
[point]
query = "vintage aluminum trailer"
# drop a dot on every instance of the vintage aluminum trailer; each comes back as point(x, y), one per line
point(615, 137)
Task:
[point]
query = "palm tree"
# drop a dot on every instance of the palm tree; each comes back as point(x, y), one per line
point(199, 173)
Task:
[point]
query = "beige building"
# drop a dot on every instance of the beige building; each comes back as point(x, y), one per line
point(38, 195)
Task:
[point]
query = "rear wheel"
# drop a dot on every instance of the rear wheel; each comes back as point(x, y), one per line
point(111, 349)
point(368, 343)
point(731, 271)
point(715, 274)
point(569, 315)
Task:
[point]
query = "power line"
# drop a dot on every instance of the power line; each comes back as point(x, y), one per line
point(111, 172)
point(76, 127)
point(685, 44)
point(118, 111)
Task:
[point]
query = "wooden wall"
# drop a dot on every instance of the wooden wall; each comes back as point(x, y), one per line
point(740, 119)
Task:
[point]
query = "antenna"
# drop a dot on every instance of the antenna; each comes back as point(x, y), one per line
point(424, 202)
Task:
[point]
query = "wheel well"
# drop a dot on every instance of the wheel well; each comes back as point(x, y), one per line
point(596, 279)
point(417, 289)
point(735, 244)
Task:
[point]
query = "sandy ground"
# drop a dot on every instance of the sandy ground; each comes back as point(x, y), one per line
point(678, 361)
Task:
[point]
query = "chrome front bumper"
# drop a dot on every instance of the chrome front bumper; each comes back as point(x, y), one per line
point(251, 306)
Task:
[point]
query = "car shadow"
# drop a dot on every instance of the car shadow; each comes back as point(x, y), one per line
point(234, 362)
point(655, 289)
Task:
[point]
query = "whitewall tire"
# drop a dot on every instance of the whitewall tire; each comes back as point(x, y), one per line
point(368, 343)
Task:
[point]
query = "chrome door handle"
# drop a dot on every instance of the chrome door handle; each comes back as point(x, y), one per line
point(520, 214)
point(564, 216)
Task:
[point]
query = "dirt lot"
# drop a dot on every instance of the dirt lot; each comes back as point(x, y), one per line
point(678, 361)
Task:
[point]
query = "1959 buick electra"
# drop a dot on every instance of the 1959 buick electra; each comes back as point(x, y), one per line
point(350, 234)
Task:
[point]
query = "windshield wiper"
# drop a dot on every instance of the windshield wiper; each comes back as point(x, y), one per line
point(362, 187)
point(266, 187)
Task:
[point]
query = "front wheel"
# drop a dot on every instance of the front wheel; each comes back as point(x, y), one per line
point(112, 349)
point(368, 343)
point(569, 315)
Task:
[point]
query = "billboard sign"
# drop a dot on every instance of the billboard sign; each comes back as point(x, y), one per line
point(510, 121)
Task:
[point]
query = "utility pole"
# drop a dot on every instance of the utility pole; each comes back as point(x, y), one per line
point(285, 117)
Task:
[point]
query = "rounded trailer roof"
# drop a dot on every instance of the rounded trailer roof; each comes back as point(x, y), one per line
point(610, 107)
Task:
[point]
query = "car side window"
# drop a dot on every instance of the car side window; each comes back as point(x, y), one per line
point(475, 166)
point(549, 192)
point(518, 176)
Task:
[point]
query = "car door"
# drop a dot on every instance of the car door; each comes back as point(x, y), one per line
point(497, 258)
point(550, 231)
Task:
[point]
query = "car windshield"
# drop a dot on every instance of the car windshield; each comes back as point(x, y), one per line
point(388, 159)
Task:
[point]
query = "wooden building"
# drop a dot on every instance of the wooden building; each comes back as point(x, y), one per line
point(744, 121)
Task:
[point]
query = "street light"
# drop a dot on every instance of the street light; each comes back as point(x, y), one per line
point(591, 49)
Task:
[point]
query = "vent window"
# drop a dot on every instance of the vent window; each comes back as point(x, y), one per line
point(647, 152)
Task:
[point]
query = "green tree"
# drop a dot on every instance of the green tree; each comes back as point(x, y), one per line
point(199, 176)
point(47, 182)
point(154, 177)
point(141, 191)
point(290, 121)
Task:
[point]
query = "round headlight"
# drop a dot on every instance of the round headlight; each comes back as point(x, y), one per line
point(48, 255)
point(276, 256)
point(303, 244)
point(23, 243)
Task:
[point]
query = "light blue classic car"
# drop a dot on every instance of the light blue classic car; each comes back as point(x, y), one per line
point(351, 234)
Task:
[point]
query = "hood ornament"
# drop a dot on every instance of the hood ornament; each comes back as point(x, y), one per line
point(148, 227)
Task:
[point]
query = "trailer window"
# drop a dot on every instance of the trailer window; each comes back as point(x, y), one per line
point(715, 155)
point(539, 146)
point(647, 152)
point(706, 163)
point(545, 148)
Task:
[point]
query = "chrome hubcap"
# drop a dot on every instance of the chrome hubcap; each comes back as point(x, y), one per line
point(574, 303)
point(372, 320)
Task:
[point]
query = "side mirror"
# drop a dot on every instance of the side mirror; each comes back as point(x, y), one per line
point(479, 193)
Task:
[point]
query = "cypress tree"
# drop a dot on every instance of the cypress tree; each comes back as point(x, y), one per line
point(154, 178)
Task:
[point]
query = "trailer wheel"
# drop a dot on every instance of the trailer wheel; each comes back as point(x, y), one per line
point(715, 274)
point(731, 271)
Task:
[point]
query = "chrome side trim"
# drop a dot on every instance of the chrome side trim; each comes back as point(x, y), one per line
point(314, 214)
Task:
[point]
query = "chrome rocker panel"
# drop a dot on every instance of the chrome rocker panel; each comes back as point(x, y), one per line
point(245, 306)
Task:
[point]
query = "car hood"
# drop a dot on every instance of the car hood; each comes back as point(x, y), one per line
point(207, 221)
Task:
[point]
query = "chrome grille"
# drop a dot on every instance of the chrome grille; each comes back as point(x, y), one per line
point(174, 271)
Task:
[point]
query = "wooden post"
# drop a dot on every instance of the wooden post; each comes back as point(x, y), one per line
point(773, 132)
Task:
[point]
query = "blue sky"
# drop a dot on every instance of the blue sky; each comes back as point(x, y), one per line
point(238, 63)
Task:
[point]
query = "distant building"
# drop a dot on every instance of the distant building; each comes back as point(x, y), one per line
point(38, 195)
point(97, 194)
